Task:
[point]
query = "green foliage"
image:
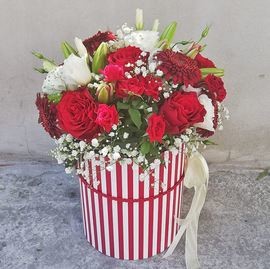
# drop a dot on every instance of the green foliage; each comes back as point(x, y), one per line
point(67, 49)
point(167, 35)
point(145, 147)
point(209, 142)
point(135, 116)
point(55, 97)
point(121, 105)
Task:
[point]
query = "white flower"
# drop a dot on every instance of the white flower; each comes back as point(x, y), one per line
point(152, 66)
point(145, 40)
point(89, 155)
point(80, 47)
point(104, 151)
point(95, 142)
point(82, 145)
point(210, 113)
point(69, 138)
point(54, 82)
point(114, 127)
point(76, 69)
point(116, 155)
point(125, 135)
point(116, 149)
point(166, 94)
point(177, 142)
point(159, 73)
point(74, 153)
point(191, 89)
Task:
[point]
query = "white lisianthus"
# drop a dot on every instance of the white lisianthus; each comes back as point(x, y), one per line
point(54, 82)
point(80, 47)
point(210, 113)
point(145, 40)
point(191, 89)
point(76, 68)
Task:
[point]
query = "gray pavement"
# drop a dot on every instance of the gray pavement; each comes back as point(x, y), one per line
point(41, 222)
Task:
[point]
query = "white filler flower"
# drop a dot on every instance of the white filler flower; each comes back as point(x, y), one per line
point(145, 40)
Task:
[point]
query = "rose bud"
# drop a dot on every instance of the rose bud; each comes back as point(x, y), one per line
point(105, 93)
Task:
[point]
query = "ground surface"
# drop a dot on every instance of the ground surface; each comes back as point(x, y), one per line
point(41, 223)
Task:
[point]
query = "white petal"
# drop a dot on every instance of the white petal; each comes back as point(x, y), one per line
point(210, 113)
point(191, 89)
point(76, 69)
point(80, 47)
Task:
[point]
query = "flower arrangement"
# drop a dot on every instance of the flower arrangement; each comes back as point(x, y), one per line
point(130, 96)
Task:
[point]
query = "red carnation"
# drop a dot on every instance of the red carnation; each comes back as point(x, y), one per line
point(133, 86)
point(107, 116)
point(92, 43)
point(207, 133)
point(113, 72)
point(181, 111)
point(127, 57)
point(152, 86)
point(156, 128)
point(47, 116)
point(77, 112)
point(215, 87)
point(179, 68)
point(203, 62)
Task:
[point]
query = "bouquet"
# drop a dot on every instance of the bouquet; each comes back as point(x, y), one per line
point(134, 96)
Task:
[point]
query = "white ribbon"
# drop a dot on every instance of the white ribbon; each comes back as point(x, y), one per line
point(197, 176)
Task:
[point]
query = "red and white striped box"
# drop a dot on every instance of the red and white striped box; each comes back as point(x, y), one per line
point(127, 218)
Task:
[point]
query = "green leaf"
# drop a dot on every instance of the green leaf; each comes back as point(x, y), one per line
point(135, 116)
point(209, 142)
point(55, 97)
point(121, 105)
point(168, 33)
point(145, 147)
point(263, 174)
point(215, 71)
point(40, 70)
point(48, 66)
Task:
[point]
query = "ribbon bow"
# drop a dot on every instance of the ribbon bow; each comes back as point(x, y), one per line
point(197, 176)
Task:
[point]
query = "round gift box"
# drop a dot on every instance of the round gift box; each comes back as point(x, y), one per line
point(129, 218)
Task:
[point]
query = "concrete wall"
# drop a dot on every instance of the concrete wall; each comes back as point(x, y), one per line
point(239, 41)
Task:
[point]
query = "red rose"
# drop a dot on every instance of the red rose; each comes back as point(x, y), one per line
point(215, 87)
point(107, 116)
point(203, 62)
point(77, 114)
point(113, 72)
point(127, 57)
point(156, 128)
point(133, 86)
point(181, 111)
point(178, 67)
point(152, 86)
point(92, 43)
